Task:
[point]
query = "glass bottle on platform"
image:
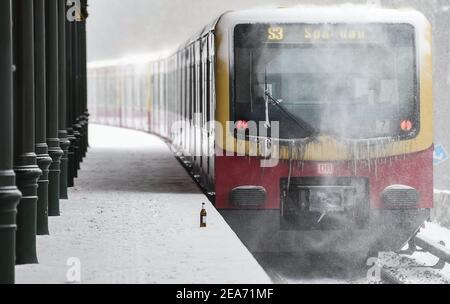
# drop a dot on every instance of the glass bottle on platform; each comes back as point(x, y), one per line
point(203, 215)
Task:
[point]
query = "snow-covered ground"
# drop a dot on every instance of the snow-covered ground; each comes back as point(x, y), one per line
point(417, 268)
point(133, 217)
point(435, 233)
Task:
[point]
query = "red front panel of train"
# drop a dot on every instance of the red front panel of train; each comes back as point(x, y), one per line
point(413, 170)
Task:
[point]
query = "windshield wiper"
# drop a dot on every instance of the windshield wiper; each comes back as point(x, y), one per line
point(301, 123)
point(269, 98)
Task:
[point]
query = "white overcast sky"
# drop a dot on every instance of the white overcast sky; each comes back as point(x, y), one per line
point(119, 28)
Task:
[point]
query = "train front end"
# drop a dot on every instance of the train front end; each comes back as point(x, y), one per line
point(330, 145)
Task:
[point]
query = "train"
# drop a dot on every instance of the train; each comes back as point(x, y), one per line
point(309, 128)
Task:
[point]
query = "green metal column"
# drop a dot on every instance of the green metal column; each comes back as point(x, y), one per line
point(43, 159)
point(70, 101)
point(63, 137)
point(52, 80)
point(25, 161)
point(85, 112)
point(77, 94)
point(77, 115)
point(9, 194)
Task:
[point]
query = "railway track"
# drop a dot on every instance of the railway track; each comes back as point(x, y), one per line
point(299, 269)
point(412, 273)
point(394, 268)
point(402, 268)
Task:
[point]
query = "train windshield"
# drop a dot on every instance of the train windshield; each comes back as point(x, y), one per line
point(351, 81)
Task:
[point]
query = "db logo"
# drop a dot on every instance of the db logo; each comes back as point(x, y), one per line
point(326, 169)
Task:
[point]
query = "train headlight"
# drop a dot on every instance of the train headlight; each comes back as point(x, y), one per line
point(248, 196)
point(398, 196)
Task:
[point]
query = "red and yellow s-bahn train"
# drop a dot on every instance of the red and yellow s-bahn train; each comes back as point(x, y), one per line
point(323, 122)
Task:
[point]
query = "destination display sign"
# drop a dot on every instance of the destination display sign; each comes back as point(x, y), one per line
point(252, 35)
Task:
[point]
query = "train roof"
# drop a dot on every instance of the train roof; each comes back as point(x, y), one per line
point(347, 13)
point(205, 30)
point(344, 12)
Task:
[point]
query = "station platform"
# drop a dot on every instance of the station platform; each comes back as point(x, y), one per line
point(133, 217)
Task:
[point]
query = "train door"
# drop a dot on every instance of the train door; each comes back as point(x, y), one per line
point(180, 91)
point(170, 90)
point(198, 109)
point(161, 99)
point(212, 108)
point(168, 100)
point(178, 99)
point(186, 105)
point(139, 93)
point(149, 97)
point(110, 110)
point(143, 99)
point(183, 100)
point(204, 113)
point(136, 98)
point(108, 101)
point(157, 97)
point(153, 99)
point(129, 97)
point(117, 94)
point(163, 104)
point(103, 100)
point(194, 107)
point(174, 89)
point(191, 101)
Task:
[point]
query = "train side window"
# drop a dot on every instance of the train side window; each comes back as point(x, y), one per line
point(169, 93)
point(195, 81)
point(191, 96)
point(161, 94)
point(168, 96)
point(175, 90)
point(213, 77)
point(191, 83)
point(204, 80)
point(185, 96)
point(177, 87)
point(208, 80)
point(212, 100)
point(164, 99)
point(183, 84)
point(172, 89)
point(188, 85)
point(199, 81)
point(155, 95)
point(189, 88)
point(180, 85)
